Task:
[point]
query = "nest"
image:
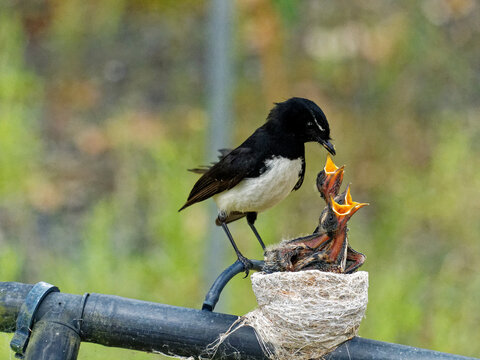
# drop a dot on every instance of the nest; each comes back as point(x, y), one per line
point(307, 314)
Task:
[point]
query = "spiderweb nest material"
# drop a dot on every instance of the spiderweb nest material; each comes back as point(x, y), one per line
point(306, 314)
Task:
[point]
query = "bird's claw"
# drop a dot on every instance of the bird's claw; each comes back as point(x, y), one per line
point(247, 264)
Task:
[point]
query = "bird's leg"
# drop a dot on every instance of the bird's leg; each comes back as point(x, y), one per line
point(247, 265)
point(251, 217)
point(355, 259)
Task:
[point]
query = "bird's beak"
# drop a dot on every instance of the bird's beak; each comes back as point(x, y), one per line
point(345, 212)
point(329, 179)
point(330, 167)
point(329, 146)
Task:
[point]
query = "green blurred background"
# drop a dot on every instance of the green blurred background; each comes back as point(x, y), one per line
point(103, 107)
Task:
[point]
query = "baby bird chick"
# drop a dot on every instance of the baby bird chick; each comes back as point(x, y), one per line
point(330, 179)
point(327, 251)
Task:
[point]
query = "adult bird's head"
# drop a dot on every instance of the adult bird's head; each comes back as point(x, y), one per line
point(304, 119)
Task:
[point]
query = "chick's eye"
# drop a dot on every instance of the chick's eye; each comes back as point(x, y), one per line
point(309, 123)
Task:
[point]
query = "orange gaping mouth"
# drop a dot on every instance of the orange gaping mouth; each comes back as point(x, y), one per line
point(330, 167)
point(350, 207)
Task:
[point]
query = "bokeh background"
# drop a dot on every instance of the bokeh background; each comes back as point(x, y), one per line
point(103, 105)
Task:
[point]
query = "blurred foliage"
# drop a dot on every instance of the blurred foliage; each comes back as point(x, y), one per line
point(102, 108)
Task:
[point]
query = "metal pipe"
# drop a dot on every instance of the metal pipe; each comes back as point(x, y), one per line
point(213, 294)
point(133, 324)
point(219, 105)
point(172, 330)
point(52, 341)
point(145, 326)
point(55, 335)
point(366, 349)
point(12, 296)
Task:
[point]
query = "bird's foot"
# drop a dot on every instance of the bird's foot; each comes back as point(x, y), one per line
point(247, 264)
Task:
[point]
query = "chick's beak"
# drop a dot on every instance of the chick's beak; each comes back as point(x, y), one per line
point(333, 183)
point(345, 212)
point(329, 179)
point(328, 145)
point(330, 166)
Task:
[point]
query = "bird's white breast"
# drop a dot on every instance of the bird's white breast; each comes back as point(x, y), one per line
point(260, 193)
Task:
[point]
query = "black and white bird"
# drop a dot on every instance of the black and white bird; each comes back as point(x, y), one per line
point(265, 168)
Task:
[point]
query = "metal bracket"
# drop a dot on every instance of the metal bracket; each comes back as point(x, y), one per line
point(26, 316)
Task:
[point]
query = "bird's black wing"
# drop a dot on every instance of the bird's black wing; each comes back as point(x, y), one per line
point(301, 176)
point(228, 172)
point(204, 168)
